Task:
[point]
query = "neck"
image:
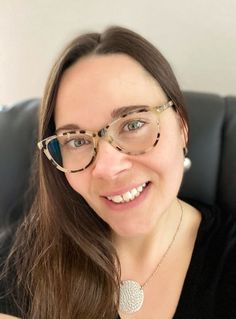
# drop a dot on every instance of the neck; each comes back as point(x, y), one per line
point(138, 255)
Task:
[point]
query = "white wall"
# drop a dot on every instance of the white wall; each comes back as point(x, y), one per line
point(198, 37)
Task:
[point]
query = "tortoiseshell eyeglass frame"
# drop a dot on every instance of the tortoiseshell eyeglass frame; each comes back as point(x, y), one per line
point(102, 133)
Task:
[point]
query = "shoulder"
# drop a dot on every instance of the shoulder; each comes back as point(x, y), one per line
point(215, 246)
point(217, 226)
point(218, 229)
point(211, 278)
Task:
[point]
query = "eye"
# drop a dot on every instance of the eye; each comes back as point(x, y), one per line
point(134, 125)
point(77, 143)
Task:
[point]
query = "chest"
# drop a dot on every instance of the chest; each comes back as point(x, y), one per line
point(162, 293)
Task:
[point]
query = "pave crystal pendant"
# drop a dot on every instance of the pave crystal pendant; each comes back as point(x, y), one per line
point(131, 296)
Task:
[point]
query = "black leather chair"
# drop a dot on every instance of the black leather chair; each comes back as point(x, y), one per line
point(212, 149)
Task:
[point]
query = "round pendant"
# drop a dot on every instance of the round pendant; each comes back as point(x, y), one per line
point(131, 296)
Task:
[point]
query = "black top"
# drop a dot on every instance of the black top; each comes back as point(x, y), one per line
point(209, 290)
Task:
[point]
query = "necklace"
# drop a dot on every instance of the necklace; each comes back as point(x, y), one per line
point(131, 292)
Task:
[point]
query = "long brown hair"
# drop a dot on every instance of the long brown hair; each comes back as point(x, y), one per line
point(64, 262)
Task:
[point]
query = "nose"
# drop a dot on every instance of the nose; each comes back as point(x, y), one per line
point(109, 162)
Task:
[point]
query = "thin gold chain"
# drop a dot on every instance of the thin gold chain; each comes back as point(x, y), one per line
point(168, 248)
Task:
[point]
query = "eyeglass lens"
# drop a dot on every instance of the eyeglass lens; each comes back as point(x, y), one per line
point(133, 134)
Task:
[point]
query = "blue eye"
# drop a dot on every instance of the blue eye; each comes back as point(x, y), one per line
point(134, 125)
point(76, 143)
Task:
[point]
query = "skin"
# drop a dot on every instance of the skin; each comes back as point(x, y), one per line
point(89, 91)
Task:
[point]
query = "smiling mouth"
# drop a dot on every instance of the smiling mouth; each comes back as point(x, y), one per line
point(128, 196)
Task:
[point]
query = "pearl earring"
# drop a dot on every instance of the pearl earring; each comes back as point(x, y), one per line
point(187, 160)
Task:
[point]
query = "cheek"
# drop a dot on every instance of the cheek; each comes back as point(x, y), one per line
point(172, 169)
point(79, 182)
point(166, 161)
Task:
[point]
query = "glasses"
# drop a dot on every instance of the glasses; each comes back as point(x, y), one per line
point(133, 133)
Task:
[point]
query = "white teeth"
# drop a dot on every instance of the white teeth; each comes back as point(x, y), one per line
point(140, 188)
point(117, 199)
point(134, 192)
point(128, 196)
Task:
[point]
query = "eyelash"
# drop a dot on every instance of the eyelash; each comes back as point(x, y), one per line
point(74, 139)
point(137, 120)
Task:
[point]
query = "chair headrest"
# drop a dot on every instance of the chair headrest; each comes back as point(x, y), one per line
point(212, 149)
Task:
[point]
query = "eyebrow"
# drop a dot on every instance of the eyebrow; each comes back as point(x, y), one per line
point(114, 115)
point(126, 109)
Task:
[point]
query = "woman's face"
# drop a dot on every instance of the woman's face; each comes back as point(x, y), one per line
point(89, 92)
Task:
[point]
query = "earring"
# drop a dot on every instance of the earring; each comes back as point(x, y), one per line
point(187, 160)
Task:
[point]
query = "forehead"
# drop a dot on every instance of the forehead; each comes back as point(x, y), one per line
point(96, 85)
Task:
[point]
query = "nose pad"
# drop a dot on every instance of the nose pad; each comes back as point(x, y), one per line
point(109, 162)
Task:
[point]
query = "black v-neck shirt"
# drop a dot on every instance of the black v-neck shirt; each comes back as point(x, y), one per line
point(209, 290)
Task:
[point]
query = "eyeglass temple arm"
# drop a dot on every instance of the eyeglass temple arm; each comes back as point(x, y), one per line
point(40, 145)
point(164, 106)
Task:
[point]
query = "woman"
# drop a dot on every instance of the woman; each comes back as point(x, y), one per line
point(106, 236)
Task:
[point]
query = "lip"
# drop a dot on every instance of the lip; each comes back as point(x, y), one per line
point(123, 190)
point(128, 205)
